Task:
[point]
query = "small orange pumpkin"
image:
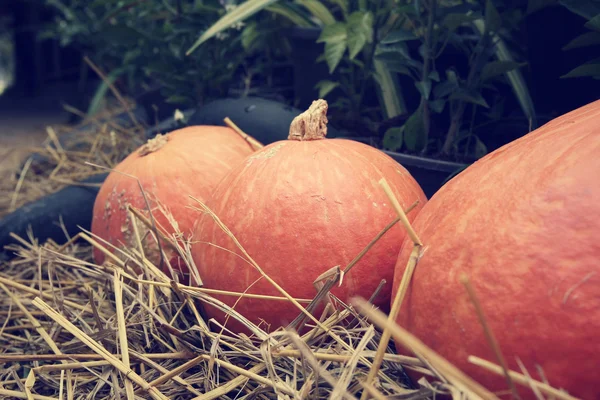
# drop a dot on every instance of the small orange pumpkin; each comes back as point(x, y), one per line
point(170, 168)
point(300, 207)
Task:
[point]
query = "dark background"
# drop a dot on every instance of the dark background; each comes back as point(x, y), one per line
point(42, 63)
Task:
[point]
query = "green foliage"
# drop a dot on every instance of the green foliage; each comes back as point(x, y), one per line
point(590, 10)
point(140, 43)
point(476, 30)
point(371, 44)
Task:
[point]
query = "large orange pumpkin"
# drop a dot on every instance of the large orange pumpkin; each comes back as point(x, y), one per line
point(523, 223)
point(186, 162)
point(300, 207)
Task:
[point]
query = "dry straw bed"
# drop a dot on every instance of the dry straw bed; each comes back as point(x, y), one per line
point(56, 164)
point(72, 329)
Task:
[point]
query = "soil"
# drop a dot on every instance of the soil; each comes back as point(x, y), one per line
point(23, 121)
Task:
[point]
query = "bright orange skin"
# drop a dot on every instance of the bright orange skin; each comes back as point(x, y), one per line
point(300, 208)
point(524, 224)
point(191, 163)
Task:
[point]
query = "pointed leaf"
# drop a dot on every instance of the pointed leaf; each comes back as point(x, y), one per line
point(493, 22)
point(398, 67)
point(496, 68)
point(393, 138)
point(325, 87)
point(470, 97)
point(480, 148)
point(516, 79)
point(434, 76)
point(584, 8)
point(537, 5)
point(360, 31)
point(334, 33)
point(414, 131)
point(238, 14)
point(424, 88)
point(100, 94)
point(444, 89)
point(594, 23)
point(334, 52)
point(453, 20)
point(585, 70)
point(319, 11)
point(291, 13)
point(585, 40)
point(343, 5)
point(437, 105)
point(389, 90)
point(400, 35)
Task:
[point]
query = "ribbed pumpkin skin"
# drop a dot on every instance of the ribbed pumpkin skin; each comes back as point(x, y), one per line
point(524, 224)
point(300, 208)
point(191, 163)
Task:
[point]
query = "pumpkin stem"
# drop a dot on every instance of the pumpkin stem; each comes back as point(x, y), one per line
point(153, 145)
point(311, 124)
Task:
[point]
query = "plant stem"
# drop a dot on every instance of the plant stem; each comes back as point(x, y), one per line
point(456, 119)
point(427, 66)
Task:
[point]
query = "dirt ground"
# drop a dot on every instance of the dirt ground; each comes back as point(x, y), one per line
point(23, 121)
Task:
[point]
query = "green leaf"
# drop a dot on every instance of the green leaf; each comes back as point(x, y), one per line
point(398, 67)
point(453, 20)
point(493, 22)
point(434, 76)
point(395, 50)
point(100, 94)
point(249, 36)
point(360, 31)
point(414, 131)
point(343, 5)
point(325, 87)
point(393, 138)
point(334, 52)
point(444, 88)
point(537, 5)
point(587, 9)
point(470, 97)
point(515, 77)
point(496, 68)
point(437, 105)
point(238, 14)
point(594, 23)
point(319, 11)
point(585, 40)
point(398, 36)
point(334, 33)
point(389, 90)
point(289, 12)
point(585, 70)
point(424, 88)
point(480, 148)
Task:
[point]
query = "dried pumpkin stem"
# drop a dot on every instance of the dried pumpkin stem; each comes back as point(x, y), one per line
point(311, 124)
point(152, 145)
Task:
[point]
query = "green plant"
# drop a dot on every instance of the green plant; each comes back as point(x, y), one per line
point(478, 32)
point(376, 42)
point(590, 10)
point(143, 43)
point(350, 34)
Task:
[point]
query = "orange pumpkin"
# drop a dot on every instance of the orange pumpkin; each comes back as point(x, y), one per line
point(170, 168)
point(523, 223)
point(300, 207)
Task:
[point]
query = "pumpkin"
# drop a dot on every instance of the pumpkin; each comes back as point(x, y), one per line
point(300, 207)
point(523, 224)
point(170, 168)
